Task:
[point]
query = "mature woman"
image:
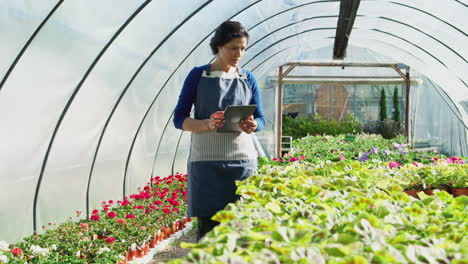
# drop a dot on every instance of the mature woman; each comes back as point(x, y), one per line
point(217, 160)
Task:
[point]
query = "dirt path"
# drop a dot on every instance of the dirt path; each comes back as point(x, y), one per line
point(174, 251)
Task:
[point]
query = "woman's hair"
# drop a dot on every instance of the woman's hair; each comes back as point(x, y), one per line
point(225, 32)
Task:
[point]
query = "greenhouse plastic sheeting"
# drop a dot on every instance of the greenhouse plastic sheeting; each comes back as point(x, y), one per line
point(87, 88)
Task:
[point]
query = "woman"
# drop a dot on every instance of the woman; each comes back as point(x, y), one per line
point(217, 160)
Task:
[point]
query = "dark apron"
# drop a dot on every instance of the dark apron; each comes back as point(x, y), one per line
point(217, 160)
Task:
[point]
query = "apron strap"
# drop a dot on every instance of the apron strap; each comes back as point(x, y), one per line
point(240, 71)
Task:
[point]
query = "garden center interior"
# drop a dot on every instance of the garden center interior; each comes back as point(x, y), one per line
point(88, 88)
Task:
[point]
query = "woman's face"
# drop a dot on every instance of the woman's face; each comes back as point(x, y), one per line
point(231, 52)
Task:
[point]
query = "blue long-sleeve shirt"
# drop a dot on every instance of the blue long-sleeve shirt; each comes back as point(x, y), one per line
point(188, 95)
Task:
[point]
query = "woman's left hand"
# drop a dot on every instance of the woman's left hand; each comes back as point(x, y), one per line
point(248, 125)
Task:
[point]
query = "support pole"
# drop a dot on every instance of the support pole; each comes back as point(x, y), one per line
point(407, 103)
point(279, 112)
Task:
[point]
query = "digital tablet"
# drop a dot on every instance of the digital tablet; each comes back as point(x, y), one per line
point(233, 114)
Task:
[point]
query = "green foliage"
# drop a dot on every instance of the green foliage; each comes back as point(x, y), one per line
point(387, 128)
point(383, 106)
point(396, 106)
point(303, 126)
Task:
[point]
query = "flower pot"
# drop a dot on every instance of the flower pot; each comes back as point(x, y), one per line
point(146, 249)
point(152, 243)
point(429, 192)
point(413, 193)
point(139, 253)
point(459, 191)
point(131, 255)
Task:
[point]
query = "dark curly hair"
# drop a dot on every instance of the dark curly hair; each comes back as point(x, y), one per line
point(225, 32)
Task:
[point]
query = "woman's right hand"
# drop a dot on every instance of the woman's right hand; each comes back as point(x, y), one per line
point(216, 120)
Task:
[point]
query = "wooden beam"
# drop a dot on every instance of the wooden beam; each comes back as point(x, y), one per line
point(288, 70)
point(279, 110)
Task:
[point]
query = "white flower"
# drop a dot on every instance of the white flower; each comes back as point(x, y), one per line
point(54, 247)
point(38, 251)
point(102, 250)
point(3, 259)
point(4, 245)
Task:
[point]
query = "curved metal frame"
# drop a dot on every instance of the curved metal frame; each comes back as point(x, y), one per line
point(70, 100)
point(26, 45)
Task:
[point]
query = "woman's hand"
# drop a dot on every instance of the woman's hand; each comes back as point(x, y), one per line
point(216, 120)
point(248, 125)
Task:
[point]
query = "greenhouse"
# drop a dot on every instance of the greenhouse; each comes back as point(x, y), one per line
point(370, 96)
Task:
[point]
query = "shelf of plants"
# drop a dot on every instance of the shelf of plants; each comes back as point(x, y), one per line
point(121, 231)
point(334, 201)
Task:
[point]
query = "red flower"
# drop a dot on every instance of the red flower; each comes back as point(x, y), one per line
point(126, 202)
point(158, 202)
point(121, 221)
point(130, 216)
point(95, 217)
point(111, 201)
point(105, 209)
point(167, 211)
point(16, 251)
point(148, 211)
point(110, 240)
point(175, 209)
point(95, 211)
point(111, 215)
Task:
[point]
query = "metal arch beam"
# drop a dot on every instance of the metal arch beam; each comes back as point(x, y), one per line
point(26, 46)
point(70, 100)
point(429, 14)
point(283, 39)
point(101, 136)
point(348, 11)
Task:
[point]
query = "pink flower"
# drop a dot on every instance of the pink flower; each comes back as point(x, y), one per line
point(110, 240)
point(16, 251)
point(95, 217)
point(175, 209)
point(276, 159)
point(393, 164)
point(84, 225)
point(292, 159)
point(121, 221)
point(111, 215)
point(130, 216)
point(78, 213)
point(342, 157)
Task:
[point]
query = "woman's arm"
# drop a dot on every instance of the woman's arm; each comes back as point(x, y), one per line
point(216, 121)
point(182, 119)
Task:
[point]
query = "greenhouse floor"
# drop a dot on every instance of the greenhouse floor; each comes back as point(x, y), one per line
point(175, 251)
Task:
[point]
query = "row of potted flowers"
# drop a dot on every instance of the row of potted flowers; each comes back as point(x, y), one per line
point(119, 231)
point(336, 212)
point(365, 148)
